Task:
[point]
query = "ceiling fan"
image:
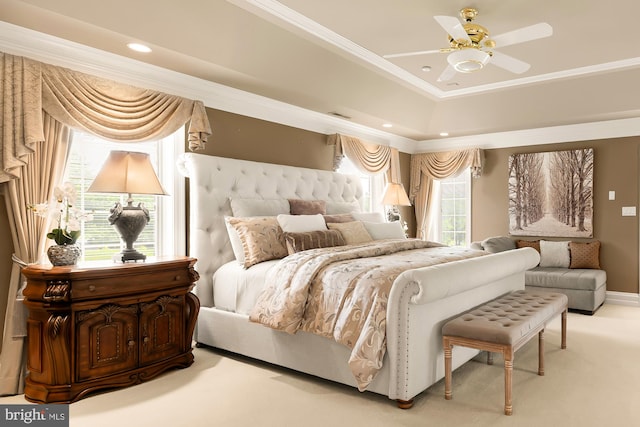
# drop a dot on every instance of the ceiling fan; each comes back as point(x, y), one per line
point(470, 47)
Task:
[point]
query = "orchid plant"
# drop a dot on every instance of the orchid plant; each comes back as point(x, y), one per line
point(64, 214)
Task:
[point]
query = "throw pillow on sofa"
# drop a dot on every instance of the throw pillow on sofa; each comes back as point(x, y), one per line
point(585, 255)
point(554, 254)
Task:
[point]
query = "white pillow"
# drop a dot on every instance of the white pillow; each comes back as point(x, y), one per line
point(385, 230)
point(334, 208)
point(368, 216)
point(259, 207)
point(236, 243)
point(301, 223)
point(554, 254)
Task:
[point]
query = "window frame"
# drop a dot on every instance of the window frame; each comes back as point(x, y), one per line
point(436, 231)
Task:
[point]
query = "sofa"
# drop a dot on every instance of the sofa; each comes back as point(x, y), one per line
point(572, 268)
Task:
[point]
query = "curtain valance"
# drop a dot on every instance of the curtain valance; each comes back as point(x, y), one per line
point(369, 158)
point(443, 165)
point(112, 110)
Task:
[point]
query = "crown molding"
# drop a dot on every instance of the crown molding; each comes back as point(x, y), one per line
point(619, 128)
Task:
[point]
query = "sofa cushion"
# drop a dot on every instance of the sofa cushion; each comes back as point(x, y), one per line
point(498, 244)
point(564, 278)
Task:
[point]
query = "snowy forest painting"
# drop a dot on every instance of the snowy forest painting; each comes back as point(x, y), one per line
point(551, 194)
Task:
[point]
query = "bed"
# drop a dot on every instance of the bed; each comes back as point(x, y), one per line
point(420, 300)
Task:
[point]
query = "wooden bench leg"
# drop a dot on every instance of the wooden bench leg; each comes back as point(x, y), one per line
point(489, 358)
point(447, 368)
point(564, 329)
point(541, 353)
point(508, 380)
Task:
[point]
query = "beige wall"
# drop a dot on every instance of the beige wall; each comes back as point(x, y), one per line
point(615, 168)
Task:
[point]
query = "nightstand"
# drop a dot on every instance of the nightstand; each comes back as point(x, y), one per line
point(102, 325)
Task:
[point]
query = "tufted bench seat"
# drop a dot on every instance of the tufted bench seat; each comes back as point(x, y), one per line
point(504, 325)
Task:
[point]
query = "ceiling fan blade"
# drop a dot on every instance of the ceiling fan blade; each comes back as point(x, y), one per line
point(447, 74)
point(453, 27)
point(509, 63)
point(525, 34)
point(420, 52)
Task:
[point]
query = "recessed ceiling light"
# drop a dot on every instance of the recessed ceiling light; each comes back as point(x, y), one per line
point(426, 68)
point(139, 47)
point(444, 133)
point(387, 125)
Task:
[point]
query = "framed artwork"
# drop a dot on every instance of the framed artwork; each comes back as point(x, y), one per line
point(551, 194)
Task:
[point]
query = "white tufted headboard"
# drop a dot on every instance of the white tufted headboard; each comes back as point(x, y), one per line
point(213, 181)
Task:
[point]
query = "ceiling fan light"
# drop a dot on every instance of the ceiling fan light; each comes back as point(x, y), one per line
point(468, 60)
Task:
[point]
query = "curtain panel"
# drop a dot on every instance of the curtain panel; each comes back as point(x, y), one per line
point(112, 110)
point(368, 158)
point(426, 167)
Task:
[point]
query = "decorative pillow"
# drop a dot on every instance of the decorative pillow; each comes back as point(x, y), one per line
point(368, 216)
point(307, 207)
point(234, 239)
point(298, 242)
point(334, 208)
point(535, 244)
point(554, 254)
point(301, 223)
point(498, 244)
point(585, 255)
point(262, 239)
point(338, 218)
point(385, 230)
point(258, 207)
point(352, 232)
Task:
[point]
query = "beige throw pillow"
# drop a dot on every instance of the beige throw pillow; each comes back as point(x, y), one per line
point(353, 232)
point(261, 237)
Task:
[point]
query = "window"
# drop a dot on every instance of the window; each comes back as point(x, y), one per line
point(165, 232)
point(372, 186)
point(453, 198)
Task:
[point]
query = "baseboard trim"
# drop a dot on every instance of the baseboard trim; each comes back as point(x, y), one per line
point(622, 298)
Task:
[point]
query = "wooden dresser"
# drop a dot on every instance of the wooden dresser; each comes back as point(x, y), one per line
point(103, 325)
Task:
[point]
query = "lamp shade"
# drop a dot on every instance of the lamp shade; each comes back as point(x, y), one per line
point(395, 195)
point(127, 172)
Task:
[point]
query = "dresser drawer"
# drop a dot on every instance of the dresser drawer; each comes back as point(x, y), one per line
point(90, 288)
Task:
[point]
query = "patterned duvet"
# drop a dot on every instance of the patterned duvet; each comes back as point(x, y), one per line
point(342, 293)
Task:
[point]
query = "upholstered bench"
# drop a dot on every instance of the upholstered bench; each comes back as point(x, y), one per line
point(503, 326)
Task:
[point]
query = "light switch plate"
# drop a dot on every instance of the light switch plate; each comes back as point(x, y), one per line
point(612, 195)
point(628, 211)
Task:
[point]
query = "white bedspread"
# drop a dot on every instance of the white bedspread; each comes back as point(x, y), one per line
point(237, 289)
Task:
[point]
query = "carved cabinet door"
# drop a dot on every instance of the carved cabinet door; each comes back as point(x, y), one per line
point(162, 329)
point(107, 340)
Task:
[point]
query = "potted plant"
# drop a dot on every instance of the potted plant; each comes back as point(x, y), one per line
point(67, 219)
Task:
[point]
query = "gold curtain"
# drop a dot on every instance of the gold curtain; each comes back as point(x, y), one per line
point(42, 171)
point(103, 107)
point(368, 158)
point(426, 167)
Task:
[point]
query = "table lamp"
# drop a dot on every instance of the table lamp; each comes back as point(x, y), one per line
point(395, 195)
point(128, 172)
